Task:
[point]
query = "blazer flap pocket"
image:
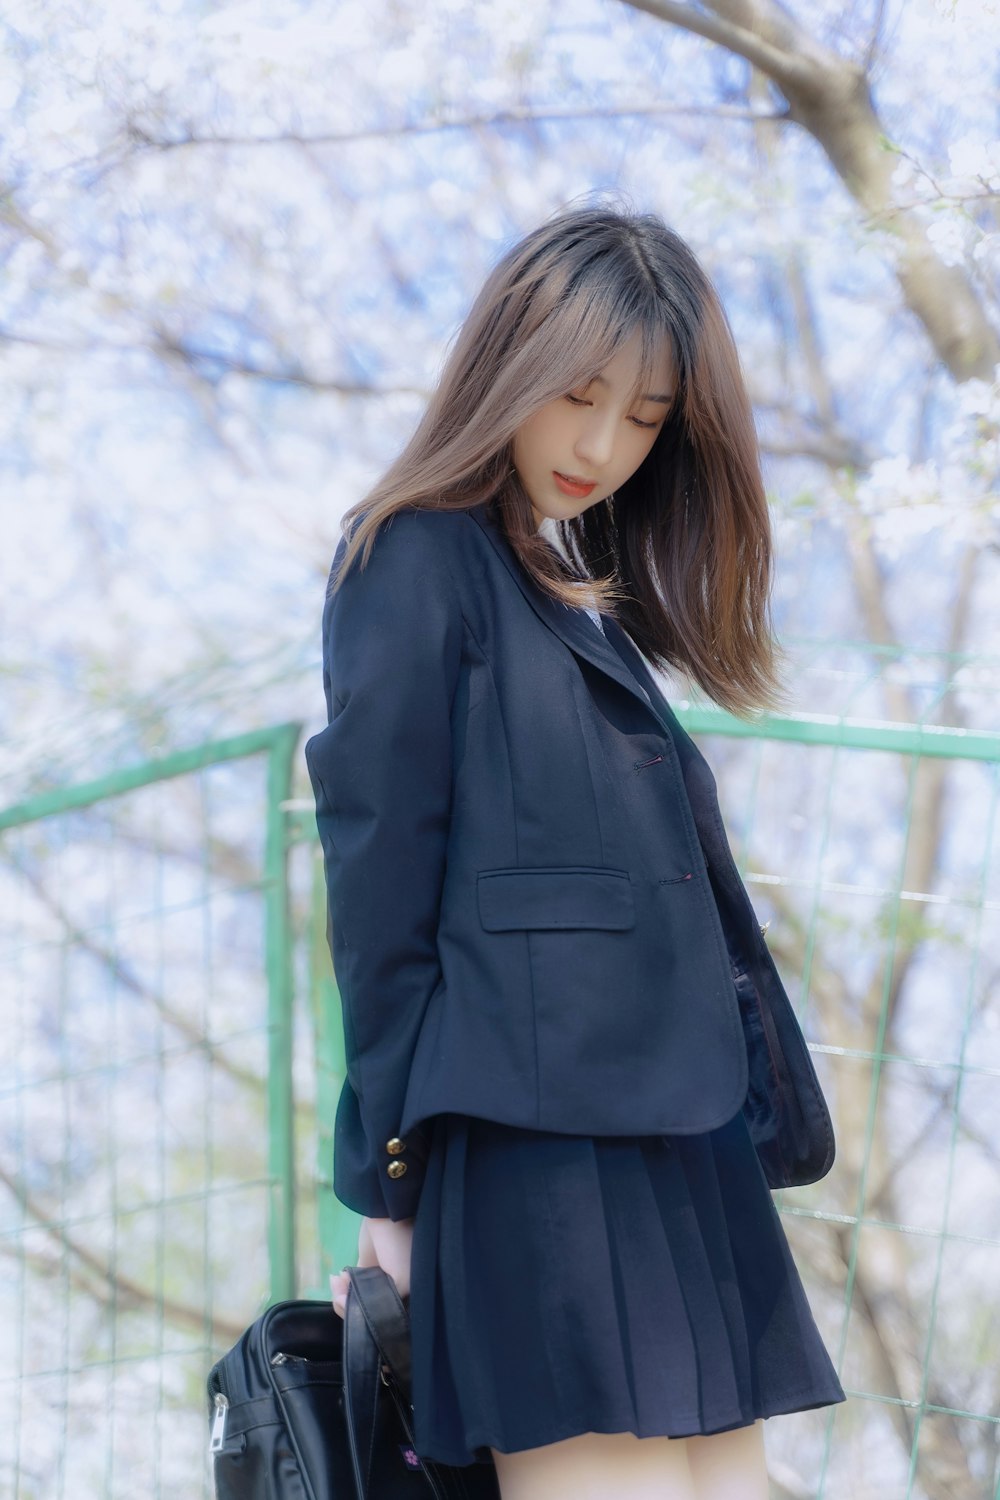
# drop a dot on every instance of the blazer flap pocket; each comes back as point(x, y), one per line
point(555, 896)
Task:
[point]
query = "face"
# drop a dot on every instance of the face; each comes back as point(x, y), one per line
point(581, 447)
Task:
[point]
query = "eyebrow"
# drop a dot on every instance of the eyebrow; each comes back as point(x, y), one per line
point(665, 400)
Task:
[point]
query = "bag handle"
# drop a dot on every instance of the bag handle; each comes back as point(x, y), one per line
point(377, 1330)
point(361, 1374)
point(387, 1320)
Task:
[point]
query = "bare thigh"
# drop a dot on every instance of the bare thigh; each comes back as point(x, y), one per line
point(597, 1465)
point(729, 1465)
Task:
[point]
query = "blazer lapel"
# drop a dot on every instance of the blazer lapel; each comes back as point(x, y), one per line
point(630, 655)
point(698, 778)
point(570, 625)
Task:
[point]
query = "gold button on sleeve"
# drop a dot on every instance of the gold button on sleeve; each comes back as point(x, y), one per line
point(396, 1168)
point(395, 1146)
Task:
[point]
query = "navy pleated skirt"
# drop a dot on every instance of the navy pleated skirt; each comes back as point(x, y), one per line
point(563, 1284)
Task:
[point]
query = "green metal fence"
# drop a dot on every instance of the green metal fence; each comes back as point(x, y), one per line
point(174, 1056)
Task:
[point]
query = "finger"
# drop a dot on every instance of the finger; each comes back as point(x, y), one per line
point(338, 1293)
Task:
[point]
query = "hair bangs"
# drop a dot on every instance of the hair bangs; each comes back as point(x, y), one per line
point(609, 304)
point(583, 332)
point(655, 331)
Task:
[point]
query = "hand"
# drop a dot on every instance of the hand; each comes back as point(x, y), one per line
point(381, 1242)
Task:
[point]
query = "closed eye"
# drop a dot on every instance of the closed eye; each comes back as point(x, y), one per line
point(579, 401)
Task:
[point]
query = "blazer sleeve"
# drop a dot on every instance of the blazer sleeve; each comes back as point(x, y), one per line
point(381, 774)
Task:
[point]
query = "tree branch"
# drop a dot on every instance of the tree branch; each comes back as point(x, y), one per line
point(756, 49)
point(463, 122)
point(189, 355)
point(112, 1286)
point(829, 97)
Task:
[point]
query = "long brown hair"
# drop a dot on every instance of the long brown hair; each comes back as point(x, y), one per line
point(680, 555)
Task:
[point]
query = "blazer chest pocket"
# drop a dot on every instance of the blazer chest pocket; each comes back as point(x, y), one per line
point(555, 896)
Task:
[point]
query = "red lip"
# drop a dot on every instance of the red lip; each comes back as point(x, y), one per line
point(571, 486)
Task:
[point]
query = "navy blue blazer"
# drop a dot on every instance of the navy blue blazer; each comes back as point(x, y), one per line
point(534, 913)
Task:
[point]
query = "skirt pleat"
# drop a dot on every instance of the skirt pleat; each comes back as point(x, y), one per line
point(563, 1284)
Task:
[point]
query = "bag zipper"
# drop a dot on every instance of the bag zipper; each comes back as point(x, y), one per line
point(281, 1358)
point(219, 1423)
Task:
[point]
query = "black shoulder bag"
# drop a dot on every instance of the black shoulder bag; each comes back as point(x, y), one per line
point(311, 1406)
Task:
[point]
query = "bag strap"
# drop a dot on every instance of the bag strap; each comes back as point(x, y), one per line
point(387, 1319)
point(361, 1375)
point(376, 1330)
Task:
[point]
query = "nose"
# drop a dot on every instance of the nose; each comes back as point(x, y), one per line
point(595, 443)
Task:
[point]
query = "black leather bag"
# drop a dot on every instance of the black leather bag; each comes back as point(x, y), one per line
point(311, 1406)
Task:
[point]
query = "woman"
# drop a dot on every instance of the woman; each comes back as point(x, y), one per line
point(572, 1070)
